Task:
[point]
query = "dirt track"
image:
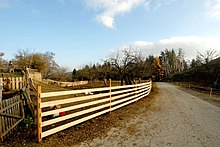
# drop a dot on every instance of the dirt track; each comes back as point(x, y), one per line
point(174, 119)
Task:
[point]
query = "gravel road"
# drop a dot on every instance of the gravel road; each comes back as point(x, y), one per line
point(175, 118)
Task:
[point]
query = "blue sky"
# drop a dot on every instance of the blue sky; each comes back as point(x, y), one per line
point(81, 32)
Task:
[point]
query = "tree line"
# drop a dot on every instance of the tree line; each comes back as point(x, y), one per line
point(127, 65)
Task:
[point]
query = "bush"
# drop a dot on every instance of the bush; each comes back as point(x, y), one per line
point(28, 122)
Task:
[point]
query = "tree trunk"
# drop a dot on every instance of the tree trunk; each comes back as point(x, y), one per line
point(105, 82)
point(122, 79)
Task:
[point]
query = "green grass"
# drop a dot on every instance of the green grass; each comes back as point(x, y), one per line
point(49, 87)
point(15, 74)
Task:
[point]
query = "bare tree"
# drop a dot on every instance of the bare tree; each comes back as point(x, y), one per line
point(208, 61)
point(125, 63)
point(207, 56)
point(61, 74)
point(44, 62)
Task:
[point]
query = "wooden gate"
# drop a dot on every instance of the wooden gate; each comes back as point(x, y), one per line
point(11, 113)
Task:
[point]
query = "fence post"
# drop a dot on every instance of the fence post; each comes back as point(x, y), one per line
point(1, 81)
point(20, 82)
point(1, 129)
point(189, 86)
point(136, 83)
point(110, 94)
point(13, 83)
point(23, 82)
point(17, 83)
point(151, 86)
point(39, 119)
point(136, 91)
point(210, 95)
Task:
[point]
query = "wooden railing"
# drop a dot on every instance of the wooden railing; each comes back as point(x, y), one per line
point(12, 83)
point(65, 84)
point(77, 106)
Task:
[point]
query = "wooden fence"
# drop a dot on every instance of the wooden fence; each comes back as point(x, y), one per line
point(12, 83)
point(65, 84)
point(77, 106)
point(208, 90)
point(11, 113)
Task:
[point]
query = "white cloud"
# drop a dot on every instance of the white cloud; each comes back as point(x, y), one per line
point(141, 44)
point(190, 45)
point(213, 8)
point(156, 4)
point(106, 20)
point(111, 8)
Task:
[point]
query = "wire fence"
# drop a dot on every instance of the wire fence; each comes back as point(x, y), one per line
point(207, 90)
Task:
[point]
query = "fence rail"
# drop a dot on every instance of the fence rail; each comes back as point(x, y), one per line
point(207, 90)
point(65, 84)
point(12, 83)
point(77, 106)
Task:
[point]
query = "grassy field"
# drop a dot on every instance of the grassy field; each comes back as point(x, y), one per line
point(49, 87)
point(92, 84)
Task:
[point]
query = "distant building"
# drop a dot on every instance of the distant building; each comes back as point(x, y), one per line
point(35, 74)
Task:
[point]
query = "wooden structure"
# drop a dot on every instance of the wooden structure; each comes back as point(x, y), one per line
point(11, 114)
point(11, 107)
point(34, 74)
point(79, 106)
point(12, 83)
point(65, 84)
